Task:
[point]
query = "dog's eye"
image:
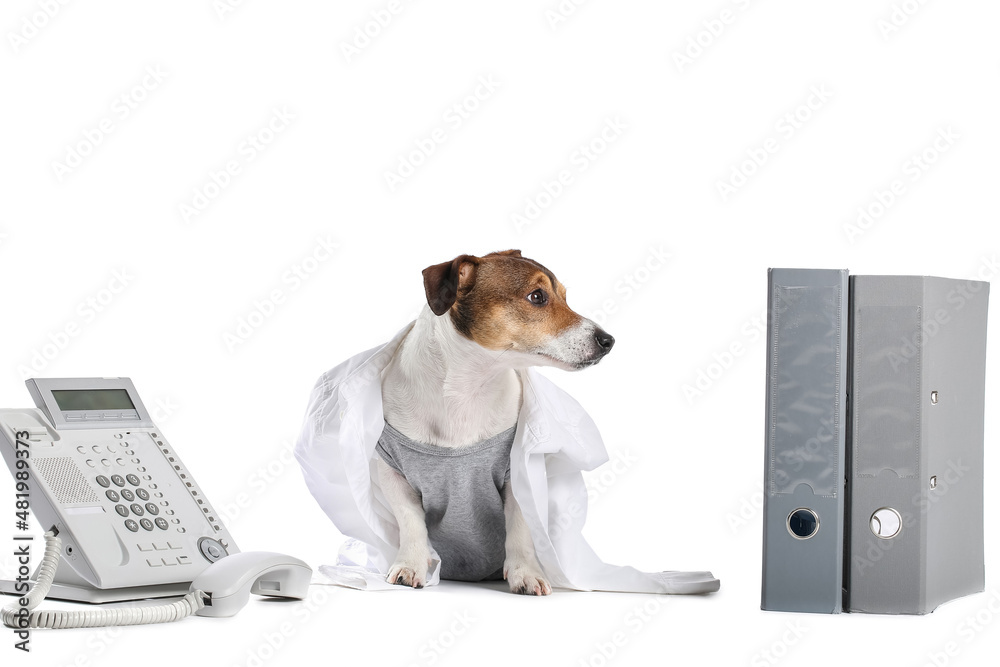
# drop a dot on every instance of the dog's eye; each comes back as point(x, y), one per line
point(538, 297)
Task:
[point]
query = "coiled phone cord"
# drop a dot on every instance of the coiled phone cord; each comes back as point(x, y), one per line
point(94, 618)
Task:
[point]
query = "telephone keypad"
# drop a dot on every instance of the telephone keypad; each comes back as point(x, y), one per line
point(151, 511)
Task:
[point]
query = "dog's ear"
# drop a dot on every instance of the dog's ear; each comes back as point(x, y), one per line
point(442, 281)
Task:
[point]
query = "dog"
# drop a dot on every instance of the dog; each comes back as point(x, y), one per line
point(453, 385)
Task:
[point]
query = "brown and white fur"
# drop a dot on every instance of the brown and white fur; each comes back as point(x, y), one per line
point(453, 383)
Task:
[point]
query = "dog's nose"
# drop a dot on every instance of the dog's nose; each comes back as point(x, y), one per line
point(605, 341)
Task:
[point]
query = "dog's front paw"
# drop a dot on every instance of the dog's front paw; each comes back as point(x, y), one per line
point(408, 572)
point(526, 580)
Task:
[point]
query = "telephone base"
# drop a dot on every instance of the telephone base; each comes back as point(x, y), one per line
point(73, 593)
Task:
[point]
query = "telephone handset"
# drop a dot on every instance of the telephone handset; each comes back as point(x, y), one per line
point(131, 519)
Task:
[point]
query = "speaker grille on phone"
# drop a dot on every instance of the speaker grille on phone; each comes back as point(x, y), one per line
point(63, 477)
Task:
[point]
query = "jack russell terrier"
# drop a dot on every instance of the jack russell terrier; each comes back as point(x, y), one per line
point(451, 397)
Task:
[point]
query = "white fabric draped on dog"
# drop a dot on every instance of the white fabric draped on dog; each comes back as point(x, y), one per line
point(554, 442)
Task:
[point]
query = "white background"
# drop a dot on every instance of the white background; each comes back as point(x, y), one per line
point(689, 495)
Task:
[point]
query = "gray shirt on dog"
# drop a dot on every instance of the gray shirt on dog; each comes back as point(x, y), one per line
point(461, 489)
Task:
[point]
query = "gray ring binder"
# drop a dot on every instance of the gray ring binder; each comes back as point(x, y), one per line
point(874, 429)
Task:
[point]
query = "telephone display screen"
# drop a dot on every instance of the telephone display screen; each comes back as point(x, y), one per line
point(92, 399)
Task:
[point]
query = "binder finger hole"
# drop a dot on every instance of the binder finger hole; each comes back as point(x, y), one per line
point(885, 523)
point(802, 523)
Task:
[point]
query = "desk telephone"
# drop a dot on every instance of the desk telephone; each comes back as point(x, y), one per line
point(126, 519)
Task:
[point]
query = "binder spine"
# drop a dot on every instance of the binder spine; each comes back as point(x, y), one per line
point(806, 405)
point(918, 359)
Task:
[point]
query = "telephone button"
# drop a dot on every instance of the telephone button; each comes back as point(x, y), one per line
point(161, 523)
point(92, 463)
point(152, 509)
point(118, 480)
point(183, 560)
point(146, 523)
point(112, 495)
point(103, 481)
point(81, 449)
point(137, 509)
point(122, 510)
point(132, 525)
point(168, 561)
point(154, 563)
point(132, 479)
point(96, 449)
point(211, 549)
point(128, 495)
point(142, 493)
